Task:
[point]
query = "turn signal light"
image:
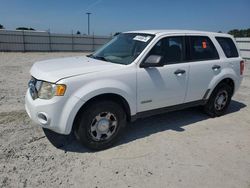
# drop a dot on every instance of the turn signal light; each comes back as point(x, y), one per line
point(60, 90)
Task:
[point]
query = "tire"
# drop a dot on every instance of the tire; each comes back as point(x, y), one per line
point(219, 100)
point(101, 125)
point(58, 140)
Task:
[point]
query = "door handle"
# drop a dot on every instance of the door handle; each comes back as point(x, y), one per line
point(179, 72)
point(216, 67)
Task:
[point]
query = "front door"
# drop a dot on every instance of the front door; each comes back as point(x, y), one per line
point(164, 86)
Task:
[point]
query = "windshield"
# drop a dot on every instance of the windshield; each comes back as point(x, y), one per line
point(124, 48)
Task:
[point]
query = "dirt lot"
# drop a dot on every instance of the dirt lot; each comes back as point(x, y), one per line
point(178, 149)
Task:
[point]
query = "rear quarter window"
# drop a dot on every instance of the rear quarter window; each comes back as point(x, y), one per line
point(228, 47)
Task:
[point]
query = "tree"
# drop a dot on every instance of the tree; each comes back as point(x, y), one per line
point(234, 32)
point(248, 32)
point(240, 33)
point(25, 28)
point(78, 32)
point(1, 26)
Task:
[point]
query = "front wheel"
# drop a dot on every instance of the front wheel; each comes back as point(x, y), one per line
point(101, 124)
point(219, 100)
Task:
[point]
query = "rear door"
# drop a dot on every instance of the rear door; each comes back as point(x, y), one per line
point(204, 65)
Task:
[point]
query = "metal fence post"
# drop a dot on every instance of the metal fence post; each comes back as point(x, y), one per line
point(50, 48)
point(72, 41)
point(24, 49)
point(93, 43)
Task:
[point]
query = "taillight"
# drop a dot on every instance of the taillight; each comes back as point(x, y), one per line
point(242, 66)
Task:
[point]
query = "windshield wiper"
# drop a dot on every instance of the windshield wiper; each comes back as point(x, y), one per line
point(90, 55)
point(98, 57)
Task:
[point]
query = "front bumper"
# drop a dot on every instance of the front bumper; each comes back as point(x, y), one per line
point(47, 113)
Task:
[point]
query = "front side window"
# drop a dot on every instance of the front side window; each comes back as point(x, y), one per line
point(228, 46)
point(124, 48)
point(202, 48)
point(170, 48)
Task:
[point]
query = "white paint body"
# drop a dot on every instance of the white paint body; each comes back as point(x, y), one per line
point(86, 78)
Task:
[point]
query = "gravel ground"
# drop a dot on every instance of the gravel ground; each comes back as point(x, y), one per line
point(178, 149)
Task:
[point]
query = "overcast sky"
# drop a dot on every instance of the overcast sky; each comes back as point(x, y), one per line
point(109, 16)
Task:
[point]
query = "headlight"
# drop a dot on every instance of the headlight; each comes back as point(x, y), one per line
point(48, 90)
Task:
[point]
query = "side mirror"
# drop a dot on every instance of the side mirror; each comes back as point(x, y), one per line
point(152, 61)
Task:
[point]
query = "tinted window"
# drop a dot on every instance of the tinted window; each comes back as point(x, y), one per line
point(170, 48)
point(202, 48)
point(228, 46)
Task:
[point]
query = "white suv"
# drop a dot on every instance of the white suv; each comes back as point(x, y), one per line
point(136, 74)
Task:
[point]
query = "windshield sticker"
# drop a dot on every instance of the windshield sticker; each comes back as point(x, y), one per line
point(142, 38)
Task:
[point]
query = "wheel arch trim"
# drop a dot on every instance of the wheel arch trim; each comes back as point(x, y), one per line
point(214, 83)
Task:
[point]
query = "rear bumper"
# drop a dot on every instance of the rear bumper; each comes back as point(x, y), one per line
point(237, 84)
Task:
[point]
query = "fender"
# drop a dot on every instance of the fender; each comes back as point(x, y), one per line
point(91, 90)
point(225, 73)
point(71, 107)
point(110, 86)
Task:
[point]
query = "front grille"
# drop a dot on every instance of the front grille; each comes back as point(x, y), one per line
point(32, 88)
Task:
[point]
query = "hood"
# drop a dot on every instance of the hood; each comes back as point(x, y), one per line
point(57, 69)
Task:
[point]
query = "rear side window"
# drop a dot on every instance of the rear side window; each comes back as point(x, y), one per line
point(202, 48)
point(228, 46)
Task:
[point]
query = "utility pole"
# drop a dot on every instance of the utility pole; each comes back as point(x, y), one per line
point(88, 13)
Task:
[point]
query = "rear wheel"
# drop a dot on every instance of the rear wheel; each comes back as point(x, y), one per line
point(219, 100)
point(101, 124)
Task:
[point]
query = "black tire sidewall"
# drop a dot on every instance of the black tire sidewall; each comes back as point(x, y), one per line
point(210, 108)
point(56, 139)
point(86, 119)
